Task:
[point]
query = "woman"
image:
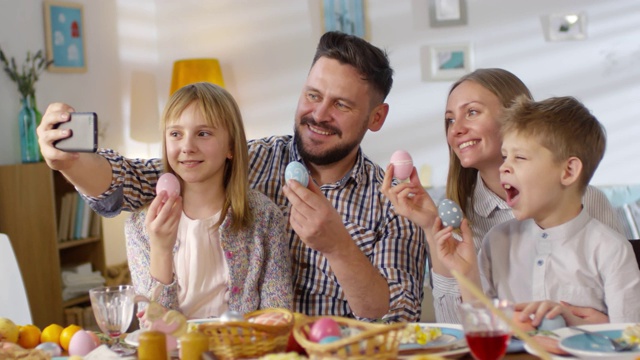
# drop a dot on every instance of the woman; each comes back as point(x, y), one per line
point(217, 245)
point(474, 106)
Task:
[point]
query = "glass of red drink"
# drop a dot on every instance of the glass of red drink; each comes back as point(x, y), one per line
point(487, 335)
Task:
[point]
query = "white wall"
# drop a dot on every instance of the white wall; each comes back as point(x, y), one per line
point(265, 50)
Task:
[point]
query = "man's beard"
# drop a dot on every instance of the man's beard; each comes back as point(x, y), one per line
point(330, 156)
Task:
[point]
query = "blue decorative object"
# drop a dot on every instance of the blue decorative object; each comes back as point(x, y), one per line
point(29, 149)
point(450, 213)
point(297, 172)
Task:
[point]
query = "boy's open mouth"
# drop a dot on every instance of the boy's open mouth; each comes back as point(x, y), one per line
point(512, 193)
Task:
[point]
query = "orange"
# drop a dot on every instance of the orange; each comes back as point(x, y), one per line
point(67, 334)
point(51, 334)
point(29, 336)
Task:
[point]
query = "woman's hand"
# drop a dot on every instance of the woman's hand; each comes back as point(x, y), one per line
point(453, 254)
point(410, 199)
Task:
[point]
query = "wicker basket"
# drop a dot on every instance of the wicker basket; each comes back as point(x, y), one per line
point(374, 341)
point(244, 339)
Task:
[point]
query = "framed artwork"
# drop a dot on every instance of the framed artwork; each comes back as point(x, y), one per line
point(346, 16)
point(445, 62)
point(447, 12)
point(64, 35)
point(561, 27)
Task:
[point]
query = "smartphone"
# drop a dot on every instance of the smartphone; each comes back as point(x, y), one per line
point(84, 133)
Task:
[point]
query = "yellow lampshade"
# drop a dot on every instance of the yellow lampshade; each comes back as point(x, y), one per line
point(190, 71)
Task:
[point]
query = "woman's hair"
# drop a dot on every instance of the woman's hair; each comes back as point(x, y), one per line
point(507, 87)
point(220, 111)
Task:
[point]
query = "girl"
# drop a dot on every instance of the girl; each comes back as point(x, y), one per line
point(218, 245)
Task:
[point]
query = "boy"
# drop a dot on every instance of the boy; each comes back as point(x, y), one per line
point(553, 251)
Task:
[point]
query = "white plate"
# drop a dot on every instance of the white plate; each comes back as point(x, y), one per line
point(132, 338)
point(452, 339)
point(563, 332)
point(587, 346)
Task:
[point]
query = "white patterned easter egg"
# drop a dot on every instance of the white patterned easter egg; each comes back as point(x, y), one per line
point(450, 213)
point(297, 172)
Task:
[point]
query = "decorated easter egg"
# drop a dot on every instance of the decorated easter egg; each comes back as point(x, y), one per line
point(81, 343)
point(552, 324)
point(270, 318)
point(329, 339)
point(231, 315)
point(402, 164)
point(169, 183)
point(450, 213)
point(323, 328)
point(297, 172)
point(50, 348)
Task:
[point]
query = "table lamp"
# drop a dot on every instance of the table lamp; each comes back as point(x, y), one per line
point(190, 71)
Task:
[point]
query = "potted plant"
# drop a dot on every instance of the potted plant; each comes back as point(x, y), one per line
point(26, 77)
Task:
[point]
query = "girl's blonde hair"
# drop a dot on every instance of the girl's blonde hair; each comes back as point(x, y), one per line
point(220, 111)
point(507, 87)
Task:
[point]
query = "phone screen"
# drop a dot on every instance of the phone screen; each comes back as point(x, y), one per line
point(84, 133)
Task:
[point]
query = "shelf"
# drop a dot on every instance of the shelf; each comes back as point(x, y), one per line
point(76, 301)
point(73, 243)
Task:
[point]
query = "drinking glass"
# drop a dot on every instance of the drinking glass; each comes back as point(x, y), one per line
point(113, 309)
point(486, 333)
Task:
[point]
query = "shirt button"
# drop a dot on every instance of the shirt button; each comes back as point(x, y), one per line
point(545, 235)
point(540, 262)
point(229, 254)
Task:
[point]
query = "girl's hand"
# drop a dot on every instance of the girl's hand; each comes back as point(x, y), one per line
point(163, 217)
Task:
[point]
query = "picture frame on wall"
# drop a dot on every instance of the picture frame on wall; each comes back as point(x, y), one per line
point(447, 13)
point(65, 36)
point(346, 16)
point(562, 27)
point(445, 62)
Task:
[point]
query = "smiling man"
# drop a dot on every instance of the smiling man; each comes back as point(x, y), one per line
point(352, 254)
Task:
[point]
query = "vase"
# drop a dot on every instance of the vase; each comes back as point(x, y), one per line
point(29, 149)
point(34, 106)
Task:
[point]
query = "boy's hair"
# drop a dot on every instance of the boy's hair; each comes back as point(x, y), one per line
point(564, 126)
point(371, 62)
point(220, 111)
point(506, 87)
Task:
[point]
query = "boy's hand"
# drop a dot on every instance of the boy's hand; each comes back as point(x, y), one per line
point(590, 315)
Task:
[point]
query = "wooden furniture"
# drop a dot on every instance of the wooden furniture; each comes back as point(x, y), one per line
point(30, 199)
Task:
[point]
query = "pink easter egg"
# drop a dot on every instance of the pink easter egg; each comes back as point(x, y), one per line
point(169, 183)
point(323, 328)
point(81, 343)
point(402, 164)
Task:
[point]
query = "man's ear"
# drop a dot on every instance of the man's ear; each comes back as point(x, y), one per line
point(571, 172)
point(378, 116)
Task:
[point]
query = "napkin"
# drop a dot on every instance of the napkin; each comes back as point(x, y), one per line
point(102, 352)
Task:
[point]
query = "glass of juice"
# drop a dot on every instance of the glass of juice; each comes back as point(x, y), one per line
point(487, 335)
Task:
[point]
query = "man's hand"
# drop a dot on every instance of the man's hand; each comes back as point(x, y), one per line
point(313, 218)
point(47, 135)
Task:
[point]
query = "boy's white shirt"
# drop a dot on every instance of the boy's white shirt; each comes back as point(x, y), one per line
point(582, 262)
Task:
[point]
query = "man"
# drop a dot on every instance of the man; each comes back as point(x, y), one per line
point(352, 254)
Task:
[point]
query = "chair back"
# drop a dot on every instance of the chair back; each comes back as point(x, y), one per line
point(14, 303)
point(635, 244)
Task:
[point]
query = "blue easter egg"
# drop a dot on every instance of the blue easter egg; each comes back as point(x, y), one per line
point(50, 348)
point(450, 213)
point(328, 339)
point(552, 324)
point(231, 315)
point(297, 172)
